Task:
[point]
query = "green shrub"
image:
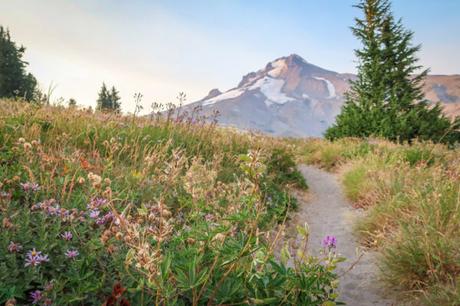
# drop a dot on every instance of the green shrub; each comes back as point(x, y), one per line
point(282, 167)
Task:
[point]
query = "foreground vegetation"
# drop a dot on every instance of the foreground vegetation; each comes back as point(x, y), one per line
point(412, 198)
point(100, 208)
point(114, 210)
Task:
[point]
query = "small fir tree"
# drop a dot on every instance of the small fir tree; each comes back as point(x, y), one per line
point(72, 102)
point(108, 100)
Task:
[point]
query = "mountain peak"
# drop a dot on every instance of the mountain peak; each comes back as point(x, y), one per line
point(292, 97)
point(296, 58)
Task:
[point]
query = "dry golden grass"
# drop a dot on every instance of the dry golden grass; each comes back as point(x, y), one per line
point(412, 198)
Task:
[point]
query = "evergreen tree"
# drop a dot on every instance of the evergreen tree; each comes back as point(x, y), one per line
point(115, 100)
point(72, 102)
point(386, 99)
point(108, 100)
point(14, 80)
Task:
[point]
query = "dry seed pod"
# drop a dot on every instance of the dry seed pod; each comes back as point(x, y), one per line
point(166, 213)
point(27, 146)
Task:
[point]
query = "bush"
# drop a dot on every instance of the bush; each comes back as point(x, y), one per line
point(282, 167)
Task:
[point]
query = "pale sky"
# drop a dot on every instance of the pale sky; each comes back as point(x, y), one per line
point(160, 48)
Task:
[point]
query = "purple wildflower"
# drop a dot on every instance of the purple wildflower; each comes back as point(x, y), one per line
point(34, 253)
point(93, 214)
point(31, 261)
point(43, 258)
point(54, 211)
point(14, 247)
point(35, 258)
point(36, 296)
point(71, 254)
point(330, 242)
point(96, 202)
point(106, 218)
point(67, 236)
point(209, 217)
point(30, 187)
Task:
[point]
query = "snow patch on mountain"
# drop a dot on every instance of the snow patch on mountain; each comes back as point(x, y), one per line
point(231, 94)
point(271, 88)
point(330, 87)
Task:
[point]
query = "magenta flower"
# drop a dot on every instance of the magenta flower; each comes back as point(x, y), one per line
point(67, 236)
point(96, 203)
point(104, 219)
point(330, 242)
point(14, 247)
point(36, 296)
point(35, 258)
point(71, 254)
point(93, 214)
point(30, 187)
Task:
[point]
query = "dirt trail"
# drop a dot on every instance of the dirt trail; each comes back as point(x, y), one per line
point(327, 212)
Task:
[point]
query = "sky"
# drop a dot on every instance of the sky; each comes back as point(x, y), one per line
point(163, 47)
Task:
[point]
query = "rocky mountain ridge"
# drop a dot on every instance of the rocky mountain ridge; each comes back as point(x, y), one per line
point(291, 97)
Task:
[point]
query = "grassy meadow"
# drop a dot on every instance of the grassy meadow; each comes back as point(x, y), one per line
point(116, 210)
point(105, 209)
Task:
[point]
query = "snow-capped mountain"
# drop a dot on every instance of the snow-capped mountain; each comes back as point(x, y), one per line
point(291, 97)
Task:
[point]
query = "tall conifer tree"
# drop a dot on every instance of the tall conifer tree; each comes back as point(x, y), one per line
point(14, 80)
point(386, 99)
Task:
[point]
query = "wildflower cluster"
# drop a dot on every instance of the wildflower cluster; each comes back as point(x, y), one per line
point(176, 212)
point(329, 242)
point(35, 258)
point(30, 187)
point(52, 208)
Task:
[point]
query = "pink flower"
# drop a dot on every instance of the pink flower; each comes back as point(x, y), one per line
point(30, 187)
point(106, 218)
point(14, 247)
point(96, 203)
point(93, 214)
point(72, 254)
point(67, 236)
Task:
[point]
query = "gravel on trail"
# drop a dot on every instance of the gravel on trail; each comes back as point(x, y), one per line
point(328, 212)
